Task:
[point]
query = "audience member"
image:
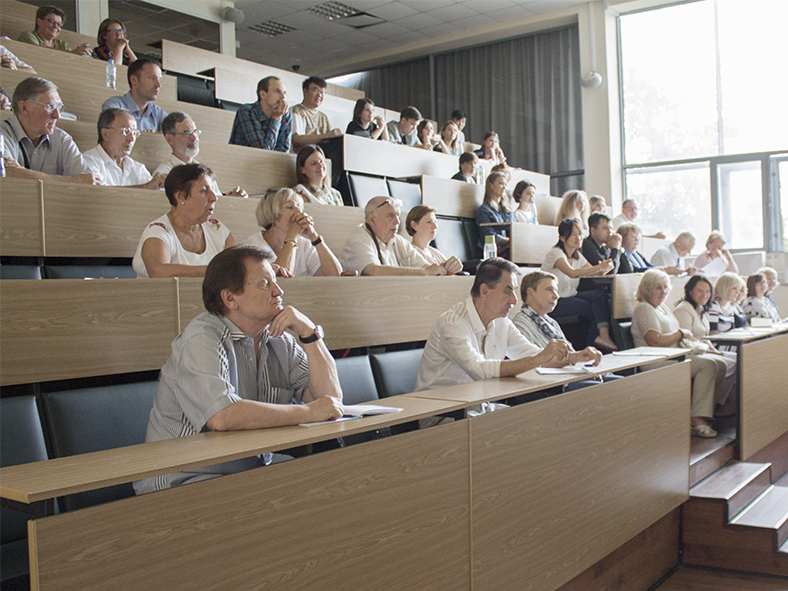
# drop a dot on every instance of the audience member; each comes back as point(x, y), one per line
point(597, 204)
point(112, 43)
point(235, 367)
point(568, 265)
point(404, 131)
point(670, 258)
point(182, 135)
point(491, 149)
point(5, 103)
point(523, 194)
point(469, 164)
point(10, 61)
point(310, 125)
point(654, 325)
point(771, 283)
point(422, 226)
point(375, 247)
point(314, 184)
point(33, 146)
point(450, 140)
point(602, 244)
point(428, 140)
point(264, 124)
point(717, 259)
point(756, 304)
point(574, 206)
point(49, 23)
point(183, 241)
point(494, 209)
point(725, 313)
point(366, 123)
point(632, 260)
point(144, 78)
point(110, 160)
point(475, 340)
point(629, 211)
point(291, 235)
point(459, 119)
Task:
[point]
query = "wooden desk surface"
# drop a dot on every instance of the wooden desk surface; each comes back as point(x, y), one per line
point(531, 381)
point(28, 483)
point(747, 335)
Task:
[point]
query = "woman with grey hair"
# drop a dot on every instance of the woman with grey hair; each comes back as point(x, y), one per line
point(290, 233)
point(654, 325)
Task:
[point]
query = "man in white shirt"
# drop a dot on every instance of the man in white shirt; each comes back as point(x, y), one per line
point(629, 211)
point(670, 258)
point(375, 247)
point(471, 340)
point(181, 133)
point(310, 125)
point(110, 159)
point(404, 131)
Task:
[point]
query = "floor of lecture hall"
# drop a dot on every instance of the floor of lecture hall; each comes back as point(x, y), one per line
point(689, 578)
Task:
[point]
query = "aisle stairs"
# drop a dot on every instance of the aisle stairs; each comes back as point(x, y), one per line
point(737, 519)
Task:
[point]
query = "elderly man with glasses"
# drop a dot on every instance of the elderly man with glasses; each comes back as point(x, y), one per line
point(110, 160)
point(182, 135)
point(33, 146)
point(375, 247)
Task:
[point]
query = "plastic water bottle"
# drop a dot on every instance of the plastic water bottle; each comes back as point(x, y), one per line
point(112, 73)
point(490, 248)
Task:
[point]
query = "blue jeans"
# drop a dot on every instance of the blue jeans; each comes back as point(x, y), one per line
point(592, 305)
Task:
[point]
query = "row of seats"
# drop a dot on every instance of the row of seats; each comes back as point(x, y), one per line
point(67, 272)
point(94, 419)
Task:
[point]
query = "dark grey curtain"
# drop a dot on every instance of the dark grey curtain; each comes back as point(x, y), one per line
point(527, 89)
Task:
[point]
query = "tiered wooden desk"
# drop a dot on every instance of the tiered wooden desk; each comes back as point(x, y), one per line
point(487, 503)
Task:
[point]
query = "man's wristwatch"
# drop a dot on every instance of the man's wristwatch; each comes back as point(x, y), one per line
point(316, 336)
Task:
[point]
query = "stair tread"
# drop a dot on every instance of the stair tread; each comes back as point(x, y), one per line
point(725, 483)
point(769, 511)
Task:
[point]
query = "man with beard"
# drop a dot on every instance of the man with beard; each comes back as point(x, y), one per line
point(181, 133)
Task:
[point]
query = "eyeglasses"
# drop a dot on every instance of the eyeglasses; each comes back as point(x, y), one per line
point(116, 31)
point(395, 203)
point(127, 131)
point(188, 134)
point(50, 107)
point(57, 24)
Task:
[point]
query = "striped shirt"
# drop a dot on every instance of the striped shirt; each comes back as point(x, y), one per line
point(530, 329)
point(252, 128)
point(213, 365)
point(724, 319)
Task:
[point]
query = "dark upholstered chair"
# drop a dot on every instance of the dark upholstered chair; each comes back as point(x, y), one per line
point(92, 271)
point(396, 371)
point(95, 419)
point(21, 442)
point(358, 385)
point(364, 187)
point(408, 193)
point(20, 272)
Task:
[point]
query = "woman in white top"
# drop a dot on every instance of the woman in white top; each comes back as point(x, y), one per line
point(653, 325)
point(574, 206)
point(757, 305)
point(693, 315)
point(183, 241)
point(715, 254)
point(451, 140)
point(314, 184)
point(422, 226)
point(523, 194)
point(568, 265)
point(300, 251)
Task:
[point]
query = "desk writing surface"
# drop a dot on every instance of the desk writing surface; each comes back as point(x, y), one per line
point(38, 481)
point(531, 381)
point(746, 335)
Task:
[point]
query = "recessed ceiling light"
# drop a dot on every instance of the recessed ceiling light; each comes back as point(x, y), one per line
point(271, 28)
point(333, 10)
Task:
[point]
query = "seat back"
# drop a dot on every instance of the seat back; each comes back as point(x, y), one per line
point(408, 193)
point(364, 187)
point(472, 236)
point(451, 239)
point(92, 271)
point(622, 334)
point(95, 419)
point(20, 272)
point(396, 371)
point(356, 380)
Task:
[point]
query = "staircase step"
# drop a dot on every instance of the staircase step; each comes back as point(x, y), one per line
point(737, 485)
point(769, 511)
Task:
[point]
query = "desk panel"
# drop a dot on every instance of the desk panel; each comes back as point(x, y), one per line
point(764, 404)
point(21, 208)
point(392, 513)
point(560, 483)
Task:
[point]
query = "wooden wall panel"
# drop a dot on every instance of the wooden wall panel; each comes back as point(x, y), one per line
point(593, 470)
point(530, 244)
point(389, 514)
point(49, 332)
point(452, 198)
point(625, 287)
point(764, 404)
point(21, 228)
point(20, 16)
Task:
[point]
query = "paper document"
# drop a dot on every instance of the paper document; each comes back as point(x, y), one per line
point(354, 411)
point(646, 352)
point(568, 370)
